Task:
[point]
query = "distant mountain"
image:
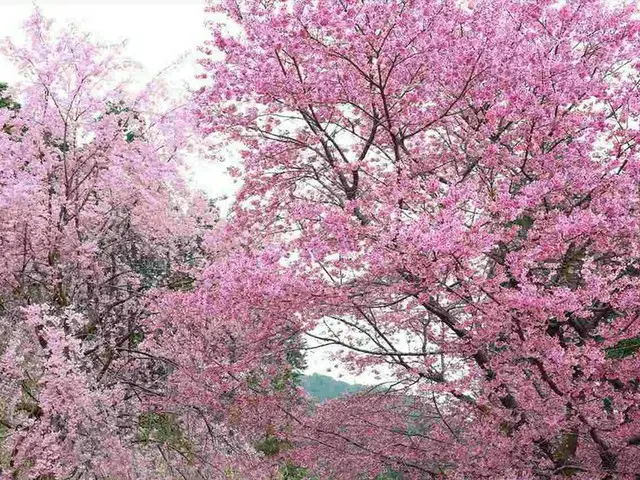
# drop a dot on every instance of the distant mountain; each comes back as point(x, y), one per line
point(323, 387)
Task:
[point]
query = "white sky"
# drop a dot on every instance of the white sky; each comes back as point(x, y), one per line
point(157, 35)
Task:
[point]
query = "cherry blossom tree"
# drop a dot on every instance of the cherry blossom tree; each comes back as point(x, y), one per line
point(235, 385)
point(94, 218)
point(447, 192)
point(126, 349)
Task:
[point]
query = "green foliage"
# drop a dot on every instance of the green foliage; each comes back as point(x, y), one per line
point(180, 281)
point(289, 375)
point(323, 387)
point(296, 358)
point(157, 427)
point(272, 445)
point(288, 378)
point(151, 270)
point(566, 447)
point(293, 472)
point(118, 108)
point(253, 382)
point(525, 222)
point(624, 348)
point(5, 100)
point(5, 431)
point(137, 337)
point(163, 429)
point(416, 424)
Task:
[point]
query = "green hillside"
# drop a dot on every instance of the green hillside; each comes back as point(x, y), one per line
point(323, 387)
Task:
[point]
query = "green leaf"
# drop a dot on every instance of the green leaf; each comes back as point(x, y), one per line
point(624, 348)
point(137, 337)
point(163, 428)
point(293, 472)
point(6, 101)
point(272, 445)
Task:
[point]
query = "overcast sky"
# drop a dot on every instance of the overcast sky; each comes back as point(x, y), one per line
point(158, 33)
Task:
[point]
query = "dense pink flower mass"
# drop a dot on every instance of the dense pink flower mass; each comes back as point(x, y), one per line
point(453, 191)
point(445, 194)
point(92, 217)
point(126, 351)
